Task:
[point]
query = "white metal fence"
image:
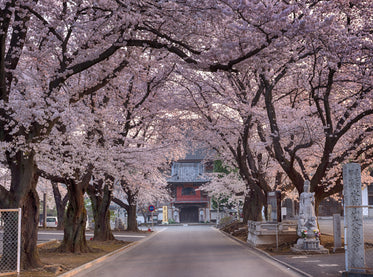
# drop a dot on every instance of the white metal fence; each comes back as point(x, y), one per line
point(10, 240)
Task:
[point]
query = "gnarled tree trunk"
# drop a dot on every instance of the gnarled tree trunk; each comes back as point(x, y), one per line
point(75, 221)
point(101, 196)
point(254, 202)
point(76, 215)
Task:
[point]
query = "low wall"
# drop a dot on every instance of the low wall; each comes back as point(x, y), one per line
point(268, 233)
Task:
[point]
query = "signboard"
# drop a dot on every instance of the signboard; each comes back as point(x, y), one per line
point(165, 215)
point(151, 208)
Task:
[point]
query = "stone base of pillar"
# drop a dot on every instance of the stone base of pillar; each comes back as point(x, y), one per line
point(309, 246)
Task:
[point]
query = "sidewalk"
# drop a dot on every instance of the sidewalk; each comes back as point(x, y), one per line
point(316, 265)
point(319, 265)
point(308, 265)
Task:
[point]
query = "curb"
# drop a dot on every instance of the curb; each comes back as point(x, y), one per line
point(47, 242)
point(105, 257)
point(263, 253)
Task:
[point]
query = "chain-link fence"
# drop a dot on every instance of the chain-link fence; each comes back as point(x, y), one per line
point(10, 240)
point(363, 250)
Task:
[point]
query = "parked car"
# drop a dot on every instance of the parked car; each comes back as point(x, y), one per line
point(51, 221)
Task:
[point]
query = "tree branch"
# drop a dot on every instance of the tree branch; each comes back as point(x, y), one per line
point(120, 203)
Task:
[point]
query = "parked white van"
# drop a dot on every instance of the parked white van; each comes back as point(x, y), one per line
point(51, 221)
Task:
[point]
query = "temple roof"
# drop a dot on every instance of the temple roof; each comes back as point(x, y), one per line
point(187, 172)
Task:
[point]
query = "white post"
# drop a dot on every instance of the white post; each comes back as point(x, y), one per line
point(277, 236)
point(152, 220)
point(218, 215)
point(19, 241)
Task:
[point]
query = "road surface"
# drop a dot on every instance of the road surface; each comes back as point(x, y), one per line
point(188, 251)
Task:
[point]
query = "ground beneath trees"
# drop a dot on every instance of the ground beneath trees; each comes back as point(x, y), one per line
point(56, 263)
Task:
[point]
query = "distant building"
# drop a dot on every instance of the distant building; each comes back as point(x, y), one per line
point(189, 204)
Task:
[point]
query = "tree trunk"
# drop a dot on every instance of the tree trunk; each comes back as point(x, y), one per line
point(75, 220)
point(253, 205)
point(102, 230)
point(132, 218)
point(100, 200)
point(131, 207)
point(245, 209)
point(60, 205)
point(318, 200)
point(23, 194)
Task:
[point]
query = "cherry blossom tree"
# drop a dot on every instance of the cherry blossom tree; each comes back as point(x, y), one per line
point(303, 73)
point(140, 188)
point(227, 186)
point(226, 109)
point(54, 55)
point(320, 110)
point(45, 46)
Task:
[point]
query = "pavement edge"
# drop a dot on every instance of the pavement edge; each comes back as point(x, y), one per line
point(105, 257)
point(261, 252)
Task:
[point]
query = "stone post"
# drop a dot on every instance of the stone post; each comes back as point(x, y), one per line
point(337, 231)
point(274, 206)
point(354, 235)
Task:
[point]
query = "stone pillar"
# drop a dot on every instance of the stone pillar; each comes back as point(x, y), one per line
point(337, 231)
point(274, 206)
point(208, 215)
point(354, 235)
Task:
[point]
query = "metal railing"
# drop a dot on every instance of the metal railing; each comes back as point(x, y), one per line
point(10, 240)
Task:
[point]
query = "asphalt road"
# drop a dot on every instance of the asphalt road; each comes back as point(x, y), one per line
point(188, 251)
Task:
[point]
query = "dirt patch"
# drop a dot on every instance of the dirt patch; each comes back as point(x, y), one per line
point(56, 263)
point(236, 229)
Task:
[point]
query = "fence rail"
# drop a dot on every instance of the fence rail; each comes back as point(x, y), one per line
point(10, 240)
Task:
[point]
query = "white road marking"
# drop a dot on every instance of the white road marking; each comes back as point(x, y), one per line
point(312, 261)
point(299, 257)
point(327, 265)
